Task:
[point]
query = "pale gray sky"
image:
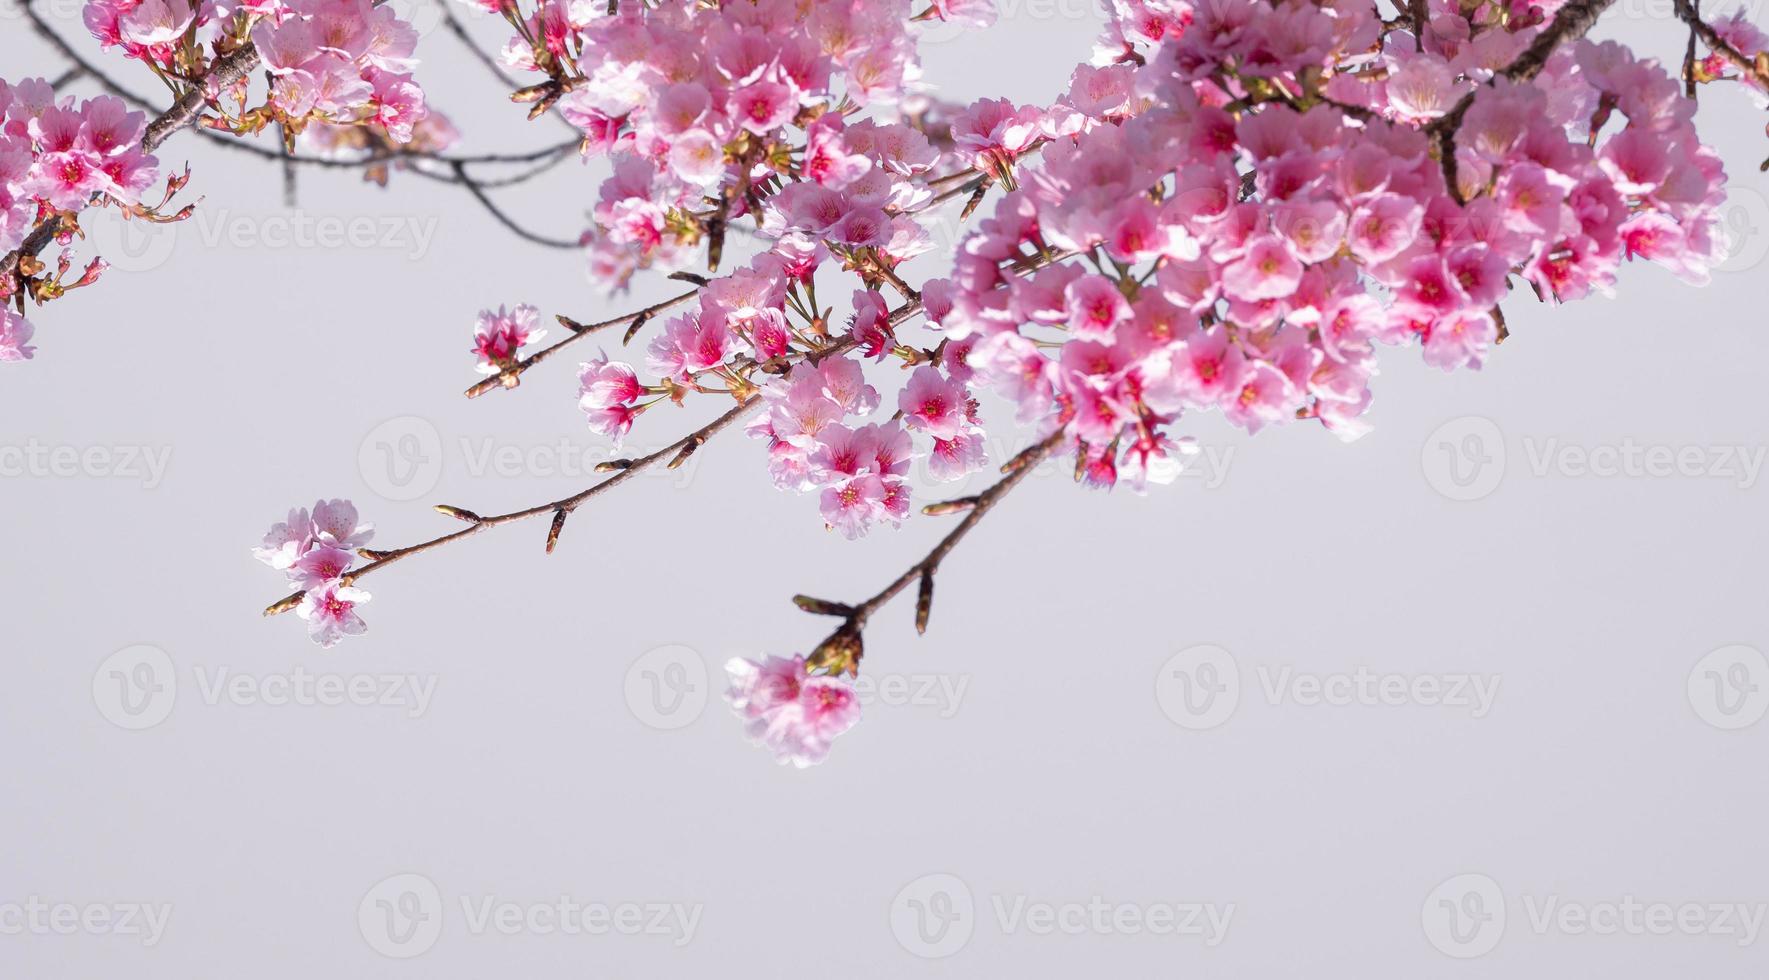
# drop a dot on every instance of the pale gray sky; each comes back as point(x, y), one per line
point(555, 728)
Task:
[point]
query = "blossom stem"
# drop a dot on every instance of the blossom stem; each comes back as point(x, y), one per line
point(1570, 24)
point(924, 570)
point(1719, 45)
point(504, 379)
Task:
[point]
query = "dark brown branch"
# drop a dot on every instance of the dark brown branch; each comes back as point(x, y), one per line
point(486, 202)
point(564, 505)
point(557, 508)
point(459, 30)
point(509, 378)
point(842, 650)
point(189, 107)
point(627, 468)
point(1689, 51)
point(547, 156)
point(185, 111)
point(1570, 24)
point(1691, 15)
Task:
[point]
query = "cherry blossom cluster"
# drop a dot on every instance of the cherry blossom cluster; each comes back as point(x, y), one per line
point(814, 426)
point(56, 155)
point(1749, 40)
point(1233, 207)
point(500, 336)
point(1251, 231)
point(859, 469)
point(792, 712)
point(706, 107)
point(316, 549)
point(336, 62)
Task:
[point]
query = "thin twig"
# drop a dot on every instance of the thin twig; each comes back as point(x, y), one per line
point(549, 155)
point(564, 505)
point(668, 454)
point(508, 378)
point(842, 650)
point(1721, 46)
point(1570, 24)
point(486, 202)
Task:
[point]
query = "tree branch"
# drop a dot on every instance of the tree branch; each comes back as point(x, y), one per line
point(842, 650)
point(1570, 24)
point(486, 202)
point(674, 453)
point(509, 377)
point(558, 508)
point(1691, 15)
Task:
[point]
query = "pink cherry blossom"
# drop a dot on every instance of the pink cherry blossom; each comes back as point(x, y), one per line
point(330, 613)
point(602, 383)
point(795, 714)
point(500, 336)
point(15, 337)
point(933, 404)
point(1094, 306)
point(320, 565)
point(1236, 206)
point(286, 541)
point(316, 549)
point(335, 523)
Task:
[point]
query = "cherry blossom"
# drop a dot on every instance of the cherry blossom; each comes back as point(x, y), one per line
point(329, 62)
point(499, 337)
point(58, 154)
point(316, 549)
point(795, 714)
point(15, 337)
point(329, 610)
point(1235, 206)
